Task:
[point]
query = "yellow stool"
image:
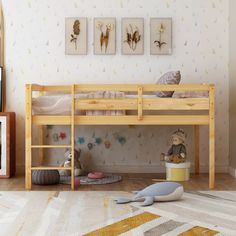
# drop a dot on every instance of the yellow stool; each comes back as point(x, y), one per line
point(178, 172)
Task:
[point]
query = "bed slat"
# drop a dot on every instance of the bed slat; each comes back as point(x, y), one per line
point(106, 104)
point(121, 87)
point(50, 168)
point(176, 104)
point(124, 120)
point(147, 104)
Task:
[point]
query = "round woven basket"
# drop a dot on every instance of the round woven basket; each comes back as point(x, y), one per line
point(45, 177)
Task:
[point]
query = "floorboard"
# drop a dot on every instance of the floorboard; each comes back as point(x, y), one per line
point(129, 183)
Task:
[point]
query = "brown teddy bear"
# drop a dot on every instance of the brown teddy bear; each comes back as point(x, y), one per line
point(177, 152)
point(67, 163)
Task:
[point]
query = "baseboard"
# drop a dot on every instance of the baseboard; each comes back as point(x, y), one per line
point(20, 169)
point(232, 171)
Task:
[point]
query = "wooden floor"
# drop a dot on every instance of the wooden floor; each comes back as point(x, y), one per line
point(129, 183)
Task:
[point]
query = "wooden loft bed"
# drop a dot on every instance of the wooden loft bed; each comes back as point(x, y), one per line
point(179, 107)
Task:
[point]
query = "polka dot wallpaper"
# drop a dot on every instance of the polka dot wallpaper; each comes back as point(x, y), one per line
point(35, 53)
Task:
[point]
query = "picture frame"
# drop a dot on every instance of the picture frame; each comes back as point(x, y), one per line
point(76, 36)
point(132, 36)
point(104, 40)
point(161, 36)
point(7, 144)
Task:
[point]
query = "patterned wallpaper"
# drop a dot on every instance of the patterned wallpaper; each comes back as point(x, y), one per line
point(35, 54)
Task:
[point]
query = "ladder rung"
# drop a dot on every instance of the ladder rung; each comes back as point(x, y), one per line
point(51, 146)
point(50, 168)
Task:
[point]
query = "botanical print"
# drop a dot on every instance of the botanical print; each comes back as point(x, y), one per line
point(159, 43)
point(104, 36)
point(76, 36)
point(132, 36)
point(160, 36)
point(76, 31)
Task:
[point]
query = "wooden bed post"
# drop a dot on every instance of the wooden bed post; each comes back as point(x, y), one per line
point(196, 149)
point(72, 136)
point(41, 142)
point(28, 139)
point(41, 138)
point(140, 103)
point(212, 137)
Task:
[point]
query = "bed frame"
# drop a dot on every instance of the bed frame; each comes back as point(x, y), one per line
point(177, 106)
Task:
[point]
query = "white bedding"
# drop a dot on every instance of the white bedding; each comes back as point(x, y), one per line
point(61, 104)
point(53, 104)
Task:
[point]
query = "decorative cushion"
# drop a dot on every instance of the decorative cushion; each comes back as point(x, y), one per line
point(171, 77)
point(45, 177)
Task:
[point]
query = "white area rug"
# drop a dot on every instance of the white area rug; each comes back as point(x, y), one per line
point(84, 180)
point(79, 213)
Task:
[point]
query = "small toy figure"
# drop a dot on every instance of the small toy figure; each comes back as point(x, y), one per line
point(67, 163)
point(177, 152)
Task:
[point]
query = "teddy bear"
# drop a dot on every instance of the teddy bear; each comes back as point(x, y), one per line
point(177, 152)
point(67, 163)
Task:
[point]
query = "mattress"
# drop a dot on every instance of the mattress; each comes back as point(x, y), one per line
point(61, 104)
point(53, 104)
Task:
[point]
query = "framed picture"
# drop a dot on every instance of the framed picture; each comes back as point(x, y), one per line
point(132, 36)
point(160, 36)
point(76, 36)
point(104, 36)
point(7, 144)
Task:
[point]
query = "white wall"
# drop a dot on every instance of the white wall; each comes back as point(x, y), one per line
point(232, 86)
point(35, 54)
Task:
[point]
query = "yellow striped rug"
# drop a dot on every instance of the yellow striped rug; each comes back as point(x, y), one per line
point(96, 213)
point(126, 225)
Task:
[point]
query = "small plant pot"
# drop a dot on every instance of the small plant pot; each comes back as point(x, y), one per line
point(178, 172)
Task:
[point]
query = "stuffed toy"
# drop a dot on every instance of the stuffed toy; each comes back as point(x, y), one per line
point(159, 192)
point(177, 152)
point(67, 163)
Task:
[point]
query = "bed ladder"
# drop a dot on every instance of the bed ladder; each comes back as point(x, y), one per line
point(28, 145)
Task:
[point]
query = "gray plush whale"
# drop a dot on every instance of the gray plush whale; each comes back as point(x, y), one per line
point(159, 192)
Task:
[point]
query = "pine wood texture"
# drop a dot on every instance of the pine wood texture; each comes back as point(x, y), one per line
point(139, 105)
point(197, 149)
point(212, 137)
point(50, 146)
point(28, 137)
point(50, 168)
point(123, 120)
point(147, 104)
point(120, 87)
point(72, 136)
point(41, 141)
